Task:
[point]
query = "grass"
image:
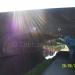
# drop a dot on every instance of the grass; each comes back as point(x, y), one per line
point(39, 69)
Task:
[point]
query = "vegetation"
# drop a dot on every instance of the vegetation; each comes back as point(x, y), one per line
point(56, 45)
point(39, 69)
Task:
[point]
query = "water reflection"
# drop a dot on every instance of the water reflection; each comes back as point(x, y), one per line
point(18, 59)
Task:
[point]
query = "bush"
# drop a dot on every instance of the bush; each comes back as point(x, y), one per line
point(38, 70)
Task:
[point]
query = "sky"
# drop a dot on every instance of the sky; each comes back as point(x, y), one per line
point(17, 5)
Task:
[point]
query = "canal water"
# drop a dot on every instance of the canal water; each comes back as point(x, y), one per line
point(18, 58)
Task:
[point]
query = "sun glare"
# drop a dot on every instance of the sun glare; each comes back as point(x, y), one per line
point(24, 22)
point(18, 5)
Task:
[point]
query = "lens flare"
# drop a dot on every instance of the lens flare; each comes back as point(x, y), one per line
point(25, 22)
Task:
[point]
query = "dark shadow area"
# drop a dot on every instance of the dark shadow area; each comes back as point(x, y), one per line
point(56, 67)
point(21, 49)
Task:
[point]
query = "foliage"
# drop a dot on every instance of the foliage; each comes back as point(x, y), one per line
point(56, 44)
point(38, 70)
